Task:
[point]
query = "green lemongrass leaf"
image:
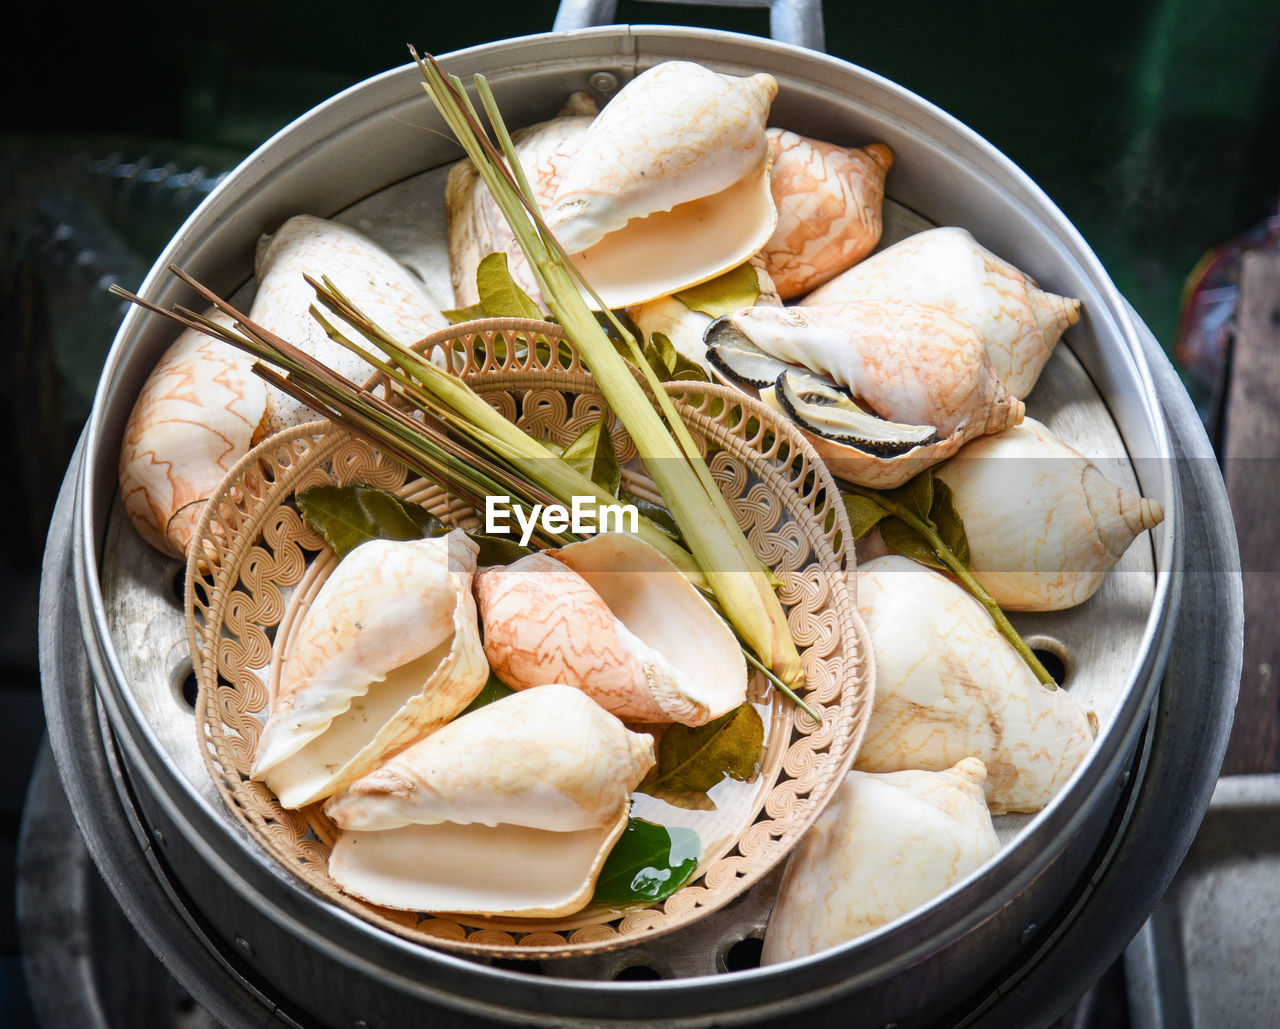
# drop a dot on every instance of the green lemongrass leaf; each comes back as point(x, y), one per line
point(668, 449)
point(735, 289)
point(647, 864)
point(497, 550)
point(457, 315)
point(946, 517)
point(864, 514)
point(593, 454)
point(500, 297)
point(347, 516)
point(493, 689)
point(905, 540)
point(553, 448)
point(655, 513)
point(696, 758)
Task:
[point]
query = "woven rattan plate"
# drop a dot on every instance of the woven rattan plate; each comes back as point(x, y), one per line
point(255, 565)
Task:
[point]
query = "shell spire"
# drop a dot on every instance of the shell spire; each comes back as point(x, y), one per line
point(830, 201)
point(1006, 411)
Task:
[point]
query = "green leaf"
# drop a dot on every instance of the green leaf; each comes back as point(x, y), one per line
point(695, 758)
point(916, 495)
point(656, 513)
point(347, 516)
point(946, 517)
point(456, 315)
point(661, 354)
point(735, 289)
point(497, 550)
point(903, 539)
point(499, 295)
point(494, 689)
point(688, 371)
point(864, 514)
point(592, 453)
point(647, 864)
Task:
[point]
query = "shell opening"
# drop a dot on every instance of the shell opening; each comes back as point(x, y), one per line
point(313, 766)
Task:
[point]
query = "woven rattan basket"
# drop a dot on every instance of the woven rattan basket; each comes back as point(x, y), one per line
point(255, 565)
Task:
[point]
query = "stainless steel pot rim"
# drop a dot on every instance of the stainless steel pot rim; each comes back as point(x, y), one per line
point(637, 43)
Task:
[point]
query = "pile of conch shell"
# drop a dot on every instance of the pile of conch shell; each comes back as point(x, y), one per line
point(510, 809)
point(886, 844)
point(434, 804)
point(613, 617)
point(1059, 526)
point(949, 686)
point(202, 409)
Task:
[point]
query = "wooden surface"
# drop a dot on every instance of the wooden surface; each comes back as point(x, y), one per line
point(1251, 468)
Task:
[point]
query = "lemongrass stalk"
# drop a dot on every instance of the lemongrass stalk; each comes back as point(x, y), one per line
point(731, 568)
point(557, 477)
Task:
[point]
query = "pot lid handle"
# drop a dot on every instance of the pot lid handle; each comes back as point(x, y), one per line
point(798, 22)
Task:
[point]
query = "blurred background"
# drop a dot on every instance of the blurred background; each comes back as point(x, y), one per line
point(1154, 124)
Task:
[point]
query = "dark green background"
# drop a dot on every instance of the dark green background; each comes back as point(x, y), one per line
point(1155, 125)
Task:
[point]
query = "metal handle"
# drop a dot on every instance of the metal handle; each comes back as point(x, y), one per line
point(790, 21)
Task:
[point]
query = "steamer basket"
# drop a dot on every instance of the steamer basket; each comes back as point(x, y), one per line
point(369, 156)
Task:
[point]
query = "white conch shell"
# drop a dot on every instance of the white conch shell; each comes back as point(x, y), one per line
point(678, 154)
point(375, 282)
point(387, 651)
point(686, 327)
point(886, 845)
point(475, 224)
point(613, 617)
point(1019, 322)
point(829, 200)
point(510, 809)
point(549, 757)
point(949, 686)
point(200, 411)
point(909, 363)
point(1044, 524)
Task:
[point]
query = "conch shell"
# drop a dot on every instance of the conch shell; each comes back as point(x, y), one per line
point(613, 617)
point(686, 327)
point(475, 224)
point(679, 154)
point(510, 809)
point(202, 408)
point(388, 651)
point(1019, 322)
point(829, 200)
point(908, 363)
point(375, 282)
point(1044, 524)
point(884, 846)
point(949, 686)
point(200, 411)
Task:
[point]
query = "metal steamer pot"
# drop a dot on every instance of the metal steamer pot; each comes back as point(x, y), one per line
point(1014, 944)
